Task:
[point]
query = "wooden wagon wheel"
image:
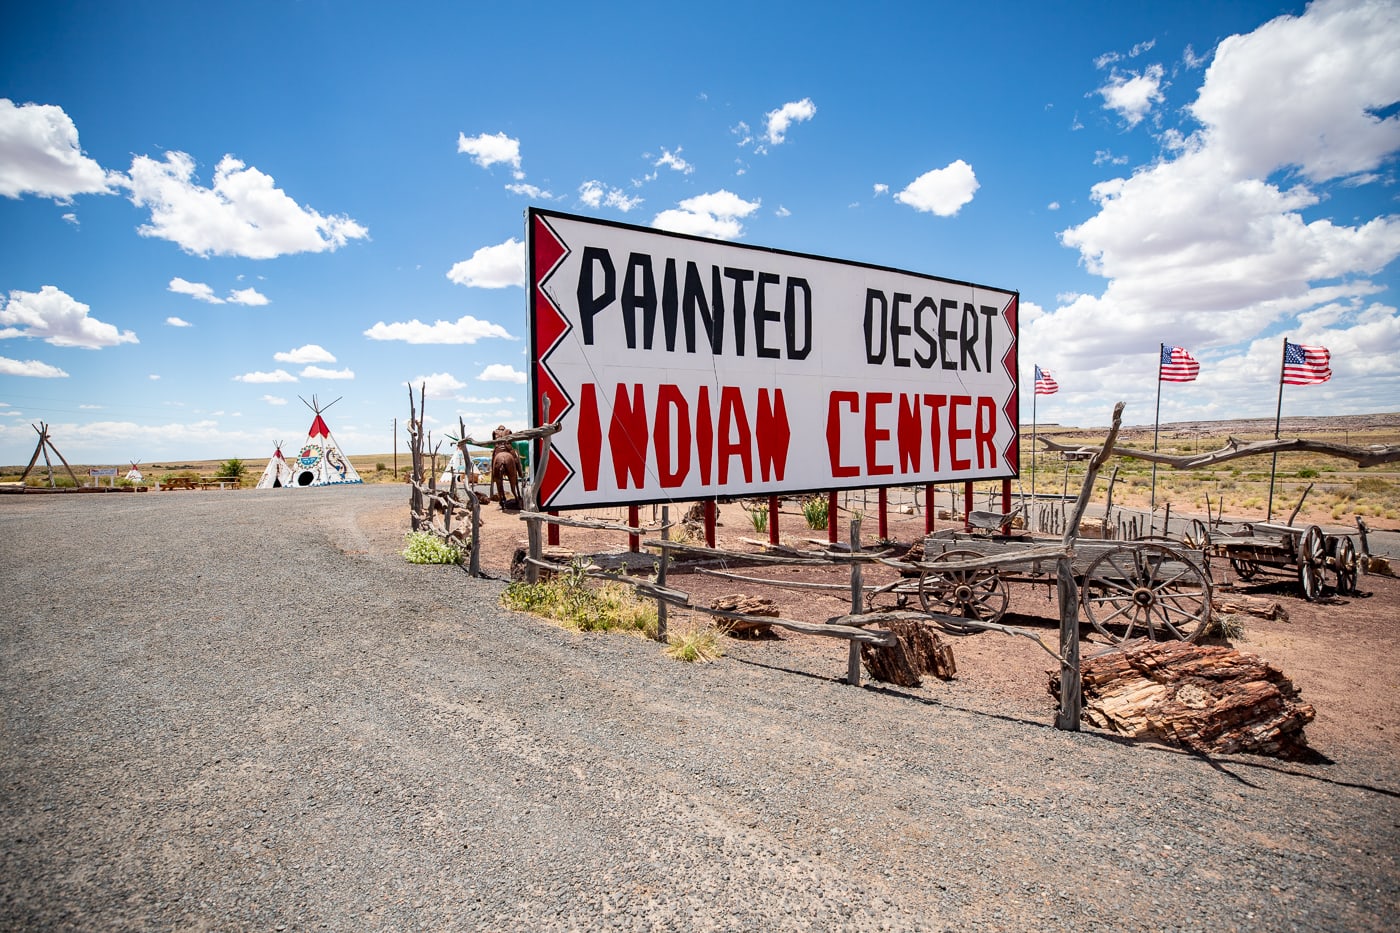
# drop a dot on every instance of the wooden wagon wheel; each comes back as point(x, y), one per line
point(973, 594)
point(1147, 590)
point(1311, 557)
point(1244, 568)
point(1197, 536)
point(1344, 564)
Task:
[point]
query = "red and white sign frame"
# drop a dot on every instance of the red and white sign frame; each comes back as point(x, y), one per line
point(683, 368)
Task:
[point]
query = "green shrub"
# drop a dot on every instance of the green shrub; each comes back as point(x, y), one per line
point(572, 600)
point(380, 467)
point(426, 548)
point(60, 480)
point(758, 516)
point(814, 509)
point(1307, 473)
point(232, 469)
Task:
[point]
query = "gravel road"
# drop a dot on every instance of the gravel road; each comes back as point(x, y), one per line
point(244, 711)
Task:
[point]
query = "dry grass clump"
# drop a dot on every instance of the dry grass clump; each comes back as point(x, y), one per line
point(576, 602)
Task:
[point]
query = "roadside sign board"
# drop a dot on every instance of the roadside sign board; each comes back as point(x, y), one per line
point(684, 368)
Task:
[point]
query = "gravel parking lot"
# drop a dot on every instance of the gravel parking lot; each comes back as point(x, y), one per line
point(245, 711)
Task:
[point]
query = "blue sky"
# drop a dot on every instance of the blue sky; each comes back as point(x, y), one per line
point(208, 211)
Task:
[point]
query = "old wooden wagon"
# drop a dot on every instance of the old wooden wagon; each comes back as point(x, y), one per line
point(1303, 552)
point(1128, 589)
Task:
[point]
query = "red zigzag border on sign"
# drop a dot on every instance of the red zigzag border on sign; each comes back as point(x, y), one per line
point(551, 326)
point(1012, 453)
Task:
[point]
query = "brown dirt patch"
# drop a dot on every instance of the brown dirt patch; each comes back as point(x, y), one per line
point(1341, 652)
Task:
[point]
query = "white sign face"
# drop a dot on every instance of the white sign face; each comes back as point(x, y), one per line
point(683, 368)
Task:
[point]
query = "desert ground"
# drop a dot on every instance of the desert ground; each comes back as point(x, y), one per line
point(245, 710)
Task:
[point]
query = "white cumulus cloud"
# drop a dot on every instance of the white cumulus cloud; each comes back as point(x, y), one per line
point(196, 290)
point(1306, 91)
point(274, 400)
point(178, 322)
point(780, 120)
point(488, 149)
point(437, 385)
point(717, 214)
point(499, 266)
point(596, 194)
point(57, 318)
point(673, 161)
point(32, 368)
point(316, 372)
point(40, 155)
point(310, 353)
point(277, 375)
point(247, 296)
point(466, 329)
point(243, 213)
point(941, 191)
point(529, 191)
point(1224, 244)
point(1132, 95)
point(502, 372)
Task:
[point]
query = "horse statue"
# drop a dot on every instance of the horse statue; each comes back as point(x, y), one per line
point(505, 465)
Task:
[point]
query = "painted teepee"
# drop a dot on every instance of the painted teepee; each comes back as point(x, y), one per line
point(277, 473)
point(321, 462)
point(134, 474)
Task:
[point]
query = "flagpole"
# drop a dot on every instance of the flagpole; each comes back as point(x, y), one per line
point(1278, 417)
point(1156, 419)
point(1034, 396)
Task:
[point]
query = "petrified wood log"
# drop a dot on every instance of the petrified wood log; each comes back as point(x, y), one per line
point(748, 605)
point(1202, 697)
point(1222, 603)
point(920, 651)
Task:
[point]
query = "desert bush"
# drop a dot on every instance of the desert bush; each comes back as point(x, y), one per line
point(380, 467)
point(425, 548)
point(60, 481)
point(575, 602)
point(1308, 473)
point(1374, 486)
point(758, 517)
point(699, 643)
point(814, 509)
point(1229, 626)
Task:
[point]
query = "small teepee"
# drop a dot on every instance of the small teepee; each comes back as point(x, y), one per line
point(456, 467)
point(134, 474)
point(321, 462)
point(277, 473)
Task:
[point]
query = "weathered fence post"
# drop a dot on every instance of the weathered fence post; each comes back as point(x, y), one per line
point(1071, 699)
point(475, 565)
point(661, 574)
point(857, 602)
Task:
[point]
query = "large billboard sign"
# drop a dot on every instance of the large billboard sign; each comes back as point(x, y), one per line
point(683, 368)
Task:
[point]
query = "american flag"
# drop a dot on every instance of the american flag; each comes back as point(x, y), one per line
point(1177, 365)
point(1304, 365)
point(1045, 383)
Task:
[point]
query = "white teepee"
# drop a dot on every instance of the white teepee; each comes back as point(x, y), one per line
point(321, 462)
point(277, 473)
point(134, 474)
point(456, 466)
